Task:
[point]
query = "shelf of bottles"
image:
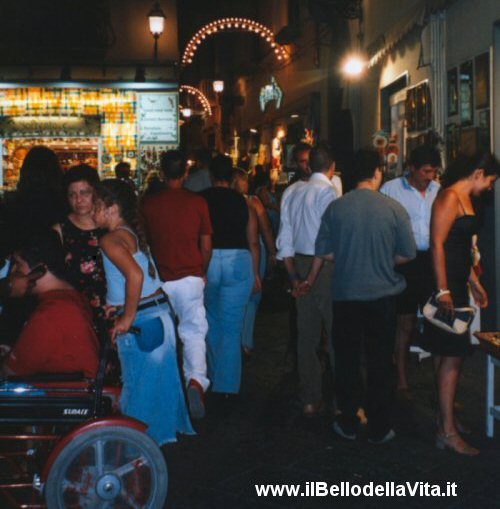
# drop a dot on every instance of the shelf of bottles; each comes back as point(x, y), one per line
point(115, 108)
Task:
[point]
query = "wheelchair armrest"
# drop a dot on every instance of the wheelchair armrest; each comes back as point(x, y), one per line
point(44, 377)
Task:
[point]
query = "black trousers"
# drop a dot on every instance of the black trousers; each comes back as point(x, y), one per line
point(368, 326)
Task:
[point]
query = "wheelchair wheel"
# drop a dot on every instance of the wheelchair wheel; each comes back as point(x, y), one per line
point(112, 467)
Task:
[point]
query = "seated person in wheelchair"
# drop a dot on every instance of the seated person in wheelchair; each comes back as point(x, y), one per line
point(59, 336)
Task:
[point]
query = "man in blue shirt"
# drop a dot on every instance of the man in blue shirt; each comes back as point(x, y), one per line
point(415, 191)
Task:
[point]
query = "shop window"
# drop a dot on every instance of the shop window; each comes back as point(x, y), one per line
point(385, 101)
point(418, 108)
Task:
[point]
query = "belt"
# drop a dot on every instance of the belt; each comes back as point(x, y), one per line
point(304, 255)
point(152, 301)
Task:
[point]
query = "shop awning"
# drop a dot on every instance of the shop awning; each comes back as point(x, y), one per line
point(417, 17)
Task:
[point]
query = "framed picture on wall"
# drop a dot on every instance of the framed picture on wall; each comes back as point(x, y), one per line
point(484, 141)
point(452, 90)
point(466, 96)
point(482, 65)
point(411, 110)
point(452, 133)
point(469, 140)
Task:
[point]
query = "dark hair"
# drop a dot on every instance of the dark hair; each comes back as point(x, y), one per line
point(238, 174)
point(221, 168)
point(204, 156)
point(425, 154)
point(173, 164)
point(320, 157)
point(465, 165)
point(45, 248)
point(118, 192)
point(262, 176)
point(81, 172)
point(300, 147)
point(366, 161)
point(40, 170)
point(122, 170)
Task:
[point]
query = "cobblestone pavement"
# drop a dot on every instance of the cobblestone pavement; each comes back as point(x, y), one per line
point(265, 439)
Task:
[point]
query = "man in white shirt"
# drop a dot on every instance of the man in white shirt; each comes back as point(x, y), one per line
point(300, 221)
point(416, 192)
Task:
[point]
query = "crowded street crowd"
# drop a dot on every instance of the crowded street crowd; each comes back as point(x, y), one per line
point(171, 276)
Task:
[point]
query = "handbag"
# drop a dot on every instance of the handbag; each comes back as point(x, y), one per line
point(457, 324)
point(148, 333)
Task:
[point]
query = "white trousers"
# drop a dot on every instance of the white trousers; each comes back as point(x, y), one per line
point(186, 296)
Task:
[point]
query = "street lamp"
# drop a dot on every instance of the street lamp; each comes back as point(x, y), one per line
point(353, 66)
point(156, 25)
point(186, 112)
point(218, 86)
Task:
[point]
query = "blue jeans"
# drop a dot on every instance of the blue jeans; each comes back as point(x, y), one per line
point(229, 285)
point(152, 391)
point(253, 303)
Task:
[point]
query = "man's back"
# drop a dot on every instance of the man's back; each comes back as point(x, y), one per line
point(174, 221)
point(304, 206)
point(365, 231)
point(198, 180)
point(57, 338)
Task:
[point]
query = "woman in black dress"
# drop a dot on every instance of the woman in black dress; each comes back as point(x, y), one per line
point(80, 235)
point(453, 225)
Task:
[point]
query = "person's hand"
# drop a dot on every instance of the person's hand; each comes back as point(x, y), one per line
point(109, 311)
point(121, 326)
point(303, 288)
point(479, 294)
point(21, 285)
point(446, 309)
point(257, 285)
point(271, 260)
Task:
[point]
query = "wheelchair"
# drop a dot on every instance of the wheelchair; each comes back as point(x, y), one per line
point(64, 444)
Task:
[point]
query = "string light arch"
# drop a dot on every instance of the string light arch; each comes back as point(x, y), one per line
point(205, 104)
point(232, 25)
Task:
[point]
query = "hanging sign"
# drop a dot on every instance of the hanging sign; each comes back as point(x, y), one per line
point(158, 120)
point(270, 92)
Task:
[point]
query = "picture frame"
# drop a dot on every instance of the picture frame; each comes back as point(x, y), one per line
point(484, 138)
point(466, 83)
point(482, 72)
point(468, 140)
point(452, 91)
point(452, 132)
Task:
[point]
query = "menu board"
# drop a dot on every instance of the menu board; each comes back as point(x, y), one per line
point(158, 117)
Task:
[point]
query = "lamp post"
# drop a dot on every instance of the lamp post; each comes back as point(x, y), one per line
point(218, 86)
point(156, 25)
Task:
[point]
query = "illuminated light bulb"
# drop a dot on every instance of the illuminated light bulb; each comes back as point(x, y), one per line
point(353, 66)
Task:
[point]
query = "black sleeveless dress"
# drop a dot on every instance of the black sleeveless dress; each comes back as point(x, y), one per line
point(458, 261)
point(83, 258)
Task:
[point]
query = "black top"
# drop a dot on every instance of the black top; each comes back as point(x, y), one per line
point(229, 216)
point(458, 262)
point(84, 261)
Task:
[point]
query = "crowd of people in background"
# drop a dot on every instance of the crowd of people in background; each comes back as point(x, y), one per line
point(172, 275)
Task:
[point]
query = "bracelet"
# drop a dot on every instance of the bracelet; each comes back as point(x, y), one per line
point(441, 292)
point(307, 283)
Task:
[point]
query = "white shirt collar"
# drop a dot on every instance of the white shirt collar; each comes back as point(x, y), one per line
point(320, 177)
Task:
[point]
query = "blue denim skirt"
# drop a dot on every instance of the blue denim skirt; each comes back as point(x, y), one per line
point(152, 391)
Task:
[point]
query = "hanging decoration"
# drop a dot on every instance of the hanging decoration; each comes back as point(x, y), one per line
point(200, 96)
point(232, 25)
point(270, 92)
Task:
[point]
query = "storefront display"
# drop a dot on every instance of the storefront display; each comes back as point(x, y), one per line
point(100, 127)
